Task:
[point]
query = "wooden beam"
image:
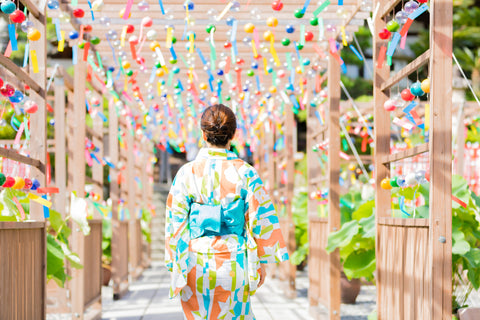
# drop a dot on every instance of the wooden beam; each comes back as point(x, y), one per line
point(38, 13)
point(422, 148)
point(22, 75)
point(387, 8)
point(410, 68)
point(14, 155)
point(440, 145)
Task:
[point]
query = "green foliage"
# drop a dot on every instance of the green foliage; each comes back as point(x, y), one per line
point(107, 241)
point(145, 224)
point(58, 250)
point(356, 241)
point(300, 220)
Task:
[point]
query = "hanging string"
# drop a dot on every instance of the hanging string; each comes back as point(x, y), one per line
point(362, 119)
point(465, 77)
point(354, 150)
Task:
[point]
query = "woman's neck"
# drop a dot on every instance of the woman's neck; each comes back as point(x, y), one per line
point(218, 147)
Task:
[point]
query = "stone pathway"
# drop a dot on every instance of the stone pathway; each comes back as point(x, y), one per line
point(147, 299)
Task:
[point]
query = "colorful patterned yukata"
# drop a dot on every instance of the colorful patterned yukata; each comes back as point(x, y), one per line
point(215, 264)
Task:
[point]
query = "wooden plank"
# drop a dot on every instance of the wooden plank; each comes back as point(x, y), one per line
point(333, 136)
point(13, 155)
point(400, 222)
point(440, 145)
point(76, 169)
point(422, 148)
point(410, 68)
point(22, 225)
point(22, 75)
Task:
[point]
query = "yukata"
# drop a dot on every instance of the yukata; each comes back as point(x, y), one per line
point(220, 225)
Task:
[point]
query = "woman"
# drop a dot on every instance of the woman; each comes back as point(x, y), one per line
point(221, 227)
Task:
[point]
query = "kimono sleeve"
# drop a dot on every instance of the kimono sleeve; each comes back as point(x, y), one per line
point(263, 222)
point(177, 209)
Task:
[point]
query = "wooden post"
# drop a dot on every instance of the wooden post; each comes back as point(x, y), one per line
point(382, 149)
point(290, 152)
point(333, 134)
point(60, 147)
point(77, 169)
point(460, 137)
point(38, 131)
point(38, 120)
point(131, 204)
point(440, 146)
point(97, 169)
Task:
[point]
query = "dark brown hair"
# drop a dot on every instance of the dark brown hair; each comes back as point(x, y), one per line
point(219, 124)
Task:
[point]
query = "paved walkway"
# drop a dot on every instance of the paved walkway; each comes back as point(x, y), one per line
point(147, 299)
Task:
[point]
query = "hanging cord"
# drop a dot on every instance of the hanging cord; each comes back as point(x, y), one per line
point(367, 66)
point(360, 116)
point(465, 77)
point(354, 150)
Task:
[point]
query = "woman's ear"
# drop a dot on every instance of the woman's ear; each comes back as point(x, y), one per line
point(204, 136)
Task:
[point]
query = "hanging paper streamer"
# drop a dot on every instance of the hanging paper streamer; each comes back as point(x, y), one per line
point(25, 55)
point(40, 200)
point(401, 204)
point(27, 131)
point(161, 6)
point(381, 57)
point(319, 117)
point(393, 44)
point(19, 134)
point(34, 61)
point(128, 8)
point(410, 107)
point(61, 42)
point(322, 7)
point(355, 51)
point(13, 37)
point(344, 36)
point(305, 6)
point(406, 26)
point(19, 207)
point(302, 35)
point(46, 210)
point(74, 54)
point(415, 14)
point(169, 39)
point(91, 11)
point(273, 52)
point(333, 45)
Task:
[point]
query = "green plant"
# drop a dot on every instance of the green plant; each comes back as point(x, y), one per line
point(58, 250)
point(300, 220)
point(145, 224)
point(107, 241)
point(356, 241)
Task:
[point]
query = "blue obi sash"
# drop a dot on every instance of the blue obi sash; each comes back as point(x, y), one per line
point(215, 220)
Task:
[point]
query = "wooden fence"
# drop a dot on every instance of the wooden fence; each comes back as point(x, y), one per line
point(22, 261)
point(23, 244)
point(414, 269)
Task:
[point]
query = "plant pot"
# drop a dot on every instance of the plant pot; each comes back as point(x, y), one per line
point(107, 274)
point(349, 289)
